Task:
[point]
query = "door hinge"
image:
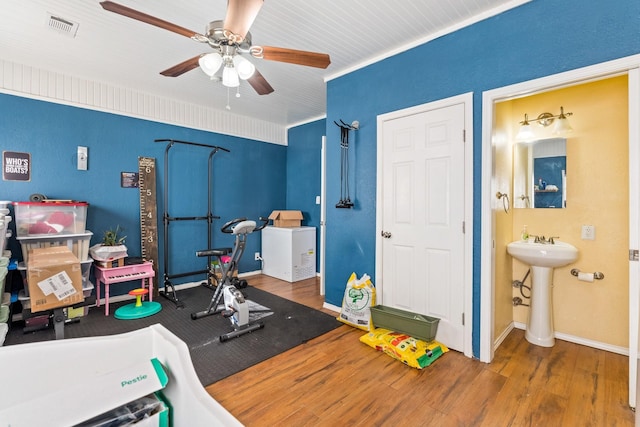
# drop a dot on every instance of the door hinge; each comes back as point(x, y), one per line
point(633, 255)
point(463, 227)
point(462, 319)
point(464, 135)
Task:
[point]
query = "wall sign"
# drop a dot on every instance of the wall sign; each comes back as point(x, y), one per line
point(16, 166)
point(129, 179)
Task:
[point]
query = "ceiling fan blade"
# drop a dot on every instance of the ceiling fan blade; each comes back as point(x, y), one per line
point(148, 19)
point(181, 68)
point(240, 16)
point(292, 56)
point(260, 84)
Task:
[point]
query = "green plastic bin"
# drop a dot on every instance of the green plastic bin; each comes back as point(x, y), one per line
point(417, 325)
point(3, 279)
point(4, 313)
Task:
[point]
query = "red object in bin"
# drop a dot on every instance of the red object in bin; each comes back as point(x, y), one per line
point(64, 219)
point(42, 228)
point(50, 217)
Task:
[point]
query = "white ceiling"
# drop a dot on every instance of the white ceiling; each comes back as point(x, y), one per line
point(113, 49)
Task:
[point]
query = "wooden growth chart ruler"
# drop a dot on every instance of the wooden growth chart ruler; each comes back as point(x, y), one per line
point(149, 214)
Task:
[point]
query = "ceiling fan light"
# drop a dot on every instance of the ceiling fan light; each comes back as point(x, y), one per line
point(210, 63)
point(230, 77)
point(244, 67)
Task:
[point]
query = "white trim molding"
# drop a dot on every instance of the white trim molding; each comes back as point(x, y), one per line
point(49, 86)
point(627, 65)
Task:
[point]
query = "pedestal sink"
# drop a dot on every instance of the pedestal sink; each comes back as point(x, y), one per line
point(543, 258)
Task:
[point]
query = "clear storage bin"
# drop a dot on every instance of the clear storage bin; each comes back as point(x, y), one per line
point(78, 244)
point(50, 217)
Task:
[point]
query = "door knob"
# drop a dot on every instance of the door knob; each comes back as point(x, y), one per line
point(385, 234)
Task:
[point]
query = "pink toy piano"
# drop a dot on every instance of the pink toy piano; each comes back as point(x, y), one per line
point(128, 273)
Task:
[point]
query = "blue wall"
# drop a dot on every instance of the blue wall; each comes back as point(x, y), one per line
point(534, 40)
point(304, 174)
point(249, 181)
point(540, 38)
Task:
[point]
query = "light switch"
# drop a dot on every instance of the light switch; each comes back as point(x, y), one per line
point(83, 158)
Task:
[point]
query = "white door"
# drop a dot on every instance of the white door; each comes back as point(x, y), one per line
point(423, 217)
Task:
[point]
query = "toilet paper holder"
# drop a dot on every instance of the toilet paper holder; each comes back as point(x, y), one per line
point(596, 274)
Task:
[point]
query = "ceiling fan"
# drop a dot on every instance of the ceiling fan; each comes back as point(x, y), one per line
point(229, 39)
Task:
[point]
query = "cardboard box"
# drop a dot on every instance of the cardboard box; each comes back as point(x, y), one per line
point(85, 267)
point(87, 289)
point(54, 278)
point(286, 218)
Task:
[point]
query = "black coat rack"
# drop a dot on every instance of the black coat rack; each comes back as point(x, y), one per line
point(345, 199)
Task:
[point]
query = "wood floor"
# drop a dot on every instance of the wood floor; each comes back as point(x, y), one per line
point(336, 380)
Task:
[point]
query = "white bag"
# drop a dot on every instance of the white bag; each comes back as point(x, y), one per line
point(103, 253)
point(359, 297)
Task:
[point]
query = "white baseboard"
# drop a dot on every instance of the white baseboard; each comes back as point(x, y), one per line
point(503, 335)
point(250, 273)
point(565, 337)
point(332, 307)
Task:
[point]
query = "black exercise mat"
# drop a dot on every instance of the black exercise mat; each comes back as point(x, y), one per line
point(290, 324)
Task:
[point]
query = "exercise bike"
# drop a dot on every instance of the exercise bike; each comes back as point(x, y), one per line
point(236, 307)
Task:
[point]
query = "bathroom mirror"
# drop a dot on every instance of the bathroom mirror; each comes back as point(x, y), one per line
point(540, 174)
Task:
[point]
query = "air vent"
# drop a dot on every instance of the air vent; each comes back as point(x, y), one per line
point(62, 25)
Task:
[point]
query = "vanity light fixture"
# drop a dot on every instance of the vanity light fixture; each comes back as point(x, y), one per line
point(562, 126)
point(525, 134)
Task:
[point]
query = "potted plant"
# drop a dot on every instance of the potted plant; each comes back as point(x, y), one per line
point(112, 246)
point(113, 238)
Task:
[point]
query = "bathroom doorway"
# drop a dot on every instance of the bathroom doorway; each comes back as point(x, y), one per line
point(495, 179)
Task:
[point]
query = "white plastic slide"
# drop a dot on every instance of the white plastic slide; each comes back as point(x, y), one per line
point(43, 371)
